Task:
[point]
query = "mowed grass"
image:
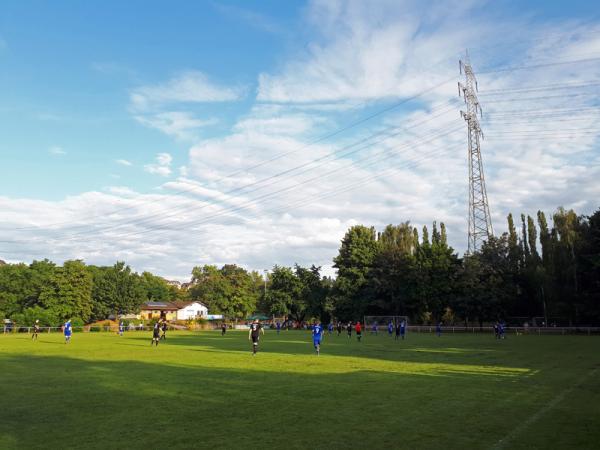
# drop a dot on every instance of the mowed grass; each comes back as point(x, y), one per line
point(201, 390)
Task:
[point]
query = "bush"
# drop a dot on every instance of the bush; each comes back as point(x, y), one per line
point(77, 324)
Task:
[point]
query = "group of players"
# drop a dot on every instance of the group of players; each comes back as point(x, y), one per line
point(66, 328)
point(159, 331)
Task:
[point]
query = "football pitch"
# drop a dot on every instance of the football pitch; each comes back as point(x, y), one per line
point(202, 390)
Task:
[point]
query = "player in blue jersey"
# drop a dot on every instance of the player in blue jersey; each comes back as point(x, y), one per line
point(402, 329)
point(278, 326)
point(317, 335)
point(374, 329)
point(438, 329)
point(67, 330)
point(121, 328)
point(330, 328)
point(390, 329)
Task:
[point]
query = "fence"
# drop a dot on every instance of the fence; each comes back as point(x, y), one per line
point(508, 330)
point(84, 328)
point(411, 328)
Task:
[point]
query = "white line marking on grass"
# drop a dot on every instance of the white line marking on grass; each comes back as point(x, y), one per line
point(540, 412)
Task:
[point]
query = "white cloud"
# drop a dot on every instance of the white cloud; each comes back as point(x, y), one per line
point(178, 124)
point(123, 162)
point(162, 106)
point(367, 51)
point(162, 166)
point(189, 87)
point(57, 151)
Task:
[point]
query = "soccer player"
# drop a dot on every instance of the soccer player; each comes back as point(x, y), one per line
point(164, 330)
point(223, 329)
point(501, 330)
point(397, 331)
point(278, 326)
point(155, 334)
point(402, 329)
point(330, 328)
point(67, 331)
point(390, 328)
point(438, 329)
point(121, 327)
point(317, 334)
point(339, 328)
point(254, 335)
point(358, 329)
point(36, 330)
point(374, 329)
point(349, 329)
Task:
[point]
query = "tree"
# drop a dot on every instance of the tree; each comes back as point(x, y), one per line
point(116, 291)
point(14, 288)
point(156, 289)
point(69, 292)
point(229, 290)
point(355, 258)
point(285, 294)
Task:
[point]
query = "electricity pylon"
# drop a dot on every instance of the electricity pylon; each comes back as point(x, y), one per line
point(480, 222)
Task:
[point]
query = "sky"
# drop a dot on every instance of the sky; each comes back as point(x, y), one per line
point(175, 134)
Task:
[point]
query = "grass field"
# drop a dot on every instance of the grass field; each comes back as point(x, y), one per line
point(201, 390)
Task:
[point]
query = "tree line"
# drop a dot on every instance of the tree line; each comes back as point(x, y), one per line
point(533, 270)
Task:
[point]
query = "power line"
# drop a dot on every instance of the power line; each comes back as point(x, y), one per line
point(311, 143)
point(340, 189)
point(175, 212)
point(168, 227)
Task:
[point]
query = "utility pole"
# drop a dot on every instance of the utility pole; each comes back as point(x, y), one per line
point(480, 222)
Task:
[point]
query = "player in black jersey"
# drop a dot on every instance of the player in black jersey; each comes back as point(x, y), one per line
point(36, 330)
point(155, 334)
point(253, 335)
point(164, 330)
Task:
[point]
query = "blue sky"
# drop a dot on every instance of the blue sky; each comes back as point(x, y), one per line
point(111, 109)
point(71, 66)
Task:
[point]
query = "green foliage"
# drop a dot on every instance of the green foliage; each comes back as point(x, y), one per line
point(69, 291)
point(117, 291)
point(354, 262)
point(230, 291)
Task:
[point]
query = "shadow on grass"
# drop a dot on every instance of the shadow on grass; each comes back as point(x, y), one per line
point(350, 357)
point(71, 403)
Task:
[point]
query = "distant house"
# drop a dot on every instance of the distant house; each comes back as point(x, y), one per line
point(177, 310)
point(158, 310)
point(191, 310)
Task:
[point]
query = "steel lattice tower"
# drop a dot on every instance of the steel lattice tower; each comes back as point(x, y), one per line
point(480, 222)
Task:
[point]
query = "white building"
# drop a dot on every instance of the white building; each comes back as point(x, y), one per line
point(192, 310)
